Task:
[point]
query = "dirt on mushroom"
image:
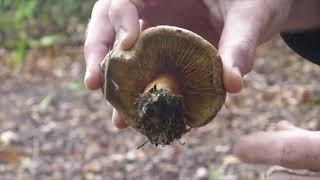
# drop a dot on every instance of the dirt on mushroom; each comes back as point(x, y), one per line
point(175, 83)
point(160, 116)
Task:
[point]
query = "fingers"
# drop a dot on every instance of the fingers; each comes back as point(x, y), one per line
point(125, 18)
point(120, 15)
point(109, 18)
point(118, 119)
point(100, 37)
point(232, 78)
point(295, 149)
point(241, 33)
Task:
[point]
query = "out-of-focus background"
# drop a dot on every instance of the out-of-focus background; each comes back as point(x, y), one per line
point(51, 127)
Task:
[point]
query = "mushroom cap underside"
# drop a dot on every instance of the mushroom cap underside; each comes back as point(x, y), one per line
point(184, 55)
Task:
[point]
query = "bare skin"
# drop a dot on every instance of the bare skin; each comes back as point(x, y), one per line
point(236, 27)
point(292, 147)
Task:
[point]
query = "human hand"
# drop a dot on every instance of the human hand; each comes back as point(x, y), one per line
point(236, 27)
point(289, 146)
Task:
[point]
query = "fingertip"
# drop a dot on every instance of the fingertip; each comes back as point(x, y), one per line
point(233, 82)
point(240, 149)
point(118, 120)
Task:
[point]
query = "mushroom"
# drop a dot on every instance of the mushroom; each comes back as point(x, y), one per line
point(169, 82)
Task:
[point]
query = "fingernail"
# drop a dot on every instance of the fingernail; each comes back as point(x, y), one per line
point(237, 77)
point(121, 35)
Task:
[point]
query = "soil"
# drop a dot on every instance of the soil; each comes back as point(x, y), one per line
point(160, 116)
point(52, 128)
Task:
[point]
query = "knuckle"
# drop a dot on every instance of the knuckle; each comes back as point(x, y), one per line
point(245, 52)
point(116, 8)
point(87, 48)
point(140, 4)
point(86, 51)
point(97, 5)
point(100, 7)
point(285, 155)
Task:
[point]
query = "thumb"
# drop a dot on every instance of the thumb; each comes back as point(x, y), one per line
point(240, 37)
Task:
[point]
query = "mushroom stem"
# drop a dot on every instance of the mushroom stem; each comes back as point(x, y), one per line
point(161, 112)
point(165, 81)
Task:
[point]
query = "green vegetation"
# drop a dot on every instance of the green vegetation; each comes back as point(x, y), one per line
point(37, 23)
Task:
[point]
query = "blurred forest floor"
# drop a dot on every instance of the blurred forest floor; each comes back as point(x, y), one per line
point(51, 127)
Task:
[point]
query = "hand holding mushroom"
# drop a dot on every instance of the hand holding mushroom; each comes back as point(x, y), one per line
point(235, 27)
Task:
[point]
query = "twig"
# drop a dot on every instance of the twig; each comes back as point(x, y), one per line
point(142, 144)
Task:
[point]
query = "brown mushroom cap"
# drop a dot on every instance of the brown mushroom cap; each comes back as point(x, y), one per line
point(165, 50)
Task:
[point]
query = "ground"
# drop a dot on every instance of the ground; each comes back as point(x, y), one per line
point(51, 127)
